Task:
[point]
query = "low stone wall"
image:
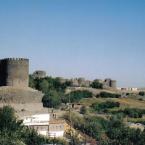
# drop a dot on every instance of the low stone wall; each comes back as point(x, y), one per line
point(19, 95)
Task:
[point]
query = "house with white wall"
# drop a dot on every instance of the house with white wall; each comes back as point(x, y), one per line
point(45, 125)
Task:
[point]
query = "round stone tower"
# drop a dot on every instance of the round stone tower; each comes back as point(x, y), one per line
point(14, 72)
point(113, 84)
point(39, 74)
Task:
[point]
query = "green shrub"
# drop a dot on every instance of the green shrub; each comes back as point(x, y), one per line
point(141, 93)
point(51, 99)
point(131, 112)
point(104, 105)
point(109, 95)
point(134, 112)
point(96, 85)
point(76, 96)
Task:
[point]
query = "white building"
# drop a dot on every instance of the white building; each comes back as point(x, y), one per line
point(128, 89)
point(56, 128)
point(38, 122)
point(36, 119)
point(44, 125)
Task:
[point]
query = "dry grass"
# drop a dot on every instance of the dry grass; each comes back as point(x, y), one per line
point(124, 102)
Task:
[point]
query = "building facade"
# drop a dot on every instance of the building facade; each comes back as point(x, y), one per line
point(45, 125)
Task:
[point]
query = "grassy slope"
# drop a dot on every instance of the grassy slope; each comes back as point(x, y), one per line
point(125, 102)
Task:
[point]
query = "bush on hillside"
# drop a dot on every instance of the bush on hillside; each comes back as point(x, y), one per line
point(104, 105)
point(51, 99)
point(134, 112)
point(108, 95)
point(141, 93)
point(76, 96)
point(131, 112)
point(96, 85)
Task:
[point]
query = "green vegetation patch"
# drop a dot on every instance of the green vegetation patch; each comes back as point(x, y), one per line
point(13, 132)
point(76, 96)
point(108, 95)
point(104, 105)
point(131, 112)
point(107, 132)
point(141, 93)
point(97, 85)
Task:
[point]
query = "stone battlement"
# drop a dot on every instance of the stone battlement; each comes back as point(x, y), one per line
point(14, 59)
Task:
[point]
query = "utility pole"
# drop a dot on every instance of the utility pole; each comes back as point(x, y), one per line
point(70, 119)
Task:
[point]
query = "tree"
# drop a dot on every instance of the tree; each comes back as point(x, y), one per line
point(43, 86)
point(10, 128)
point(51, 99)
point(8, 140)
point(8, 119)
point(76, 96)
point(103, 106)
point(97, 85)
point(31, 81)
point(12, 132)
point(141, 93)
point(108, 95)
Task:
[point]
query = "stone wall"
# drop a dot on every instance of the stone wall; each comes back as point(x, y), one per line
point(14, 72)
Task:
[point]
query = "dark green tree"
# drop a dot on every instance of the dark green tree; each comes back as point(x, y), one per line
point(141, 93)
point(76, 96)
point(44, 85)
point(97, 85)
point(51, 99)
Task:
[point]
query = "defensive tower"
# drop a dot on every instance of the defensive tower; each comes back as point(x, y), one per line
point(39, 74)
point(14, 72)
point(113, 84)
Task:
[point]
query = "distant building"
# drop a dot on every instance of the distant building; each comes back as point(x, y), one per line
point(74, 82)
point(62, 80)
point(133, 89)
point(39, 74)
point(80, 82)
point(109, 83)
point(128, 89)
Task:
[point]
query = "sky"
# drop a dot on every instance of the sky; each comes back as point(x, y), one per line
point(77, 38)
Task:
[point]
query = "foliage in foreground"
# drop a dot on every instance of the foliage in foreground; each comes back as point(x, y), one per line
point(12, 131)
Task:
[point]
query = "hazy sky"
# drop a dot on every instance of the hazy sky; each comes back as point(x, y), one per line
point(72, 38)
